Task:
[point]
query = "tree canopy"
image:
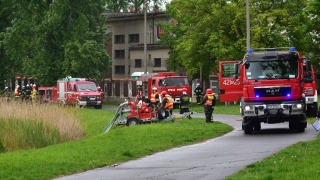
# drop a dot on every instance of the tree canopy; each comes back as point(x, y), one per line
point(51, 39)
point(209, 31)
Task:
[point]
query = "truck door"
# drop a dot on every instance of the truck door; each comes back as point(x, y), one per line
point(230, 90)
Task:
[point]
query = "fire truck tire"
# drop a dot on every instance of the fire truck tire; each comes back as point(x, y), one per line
point(78, 104)
point(292, 125)
point(257, 126)
point(98, 106)
point(161, 113)
point(132, 122)
point(247, 126)
point(315, 109)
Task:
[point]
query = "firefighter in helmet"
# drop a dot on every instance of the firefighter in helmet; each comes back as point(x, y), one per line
point(23, 93)
point(139, 95)
point(154, 98)
point(28, 92)
point(7, 94)
point(34, 94)
point(198, 92)
point(167, 104)
point(209, 101)
point(184, 101)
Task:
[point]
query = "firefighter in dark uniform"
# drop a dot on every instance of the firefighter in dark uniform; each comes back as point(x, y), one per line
point(209, 101)
point(28, 92)
point(184, 101)
point(167, 104)
point(139, 95)
point(198, 92)
point(23, 93)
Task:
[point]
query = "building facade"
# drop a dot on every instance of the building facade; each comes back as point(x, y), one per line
point(126, 45)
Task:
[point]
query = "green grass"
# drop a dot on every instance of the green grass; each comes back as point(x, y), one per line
point(100, 149)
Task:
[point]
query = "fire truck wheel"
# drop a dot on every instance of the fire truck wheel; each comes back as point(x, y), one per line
point(247, 126)
point(161, 113)
point(257, 126)
point(315, 109)
point(292, 125)
point(98, 106)
point(132, 122)
point(78, 104)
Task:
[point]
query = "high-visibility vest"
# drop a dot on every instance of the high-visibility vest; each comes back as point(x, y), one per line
point(16, 92)
point(209, 100)
point(153, 97)
point(169, 104)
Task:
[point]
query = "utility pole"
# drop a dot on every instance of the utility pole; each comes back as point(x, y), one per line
point(248, 23)
point(145, 37)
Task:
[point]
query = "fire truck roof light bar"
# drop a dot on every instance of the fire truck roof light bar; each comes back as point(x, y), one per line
point(291, 49)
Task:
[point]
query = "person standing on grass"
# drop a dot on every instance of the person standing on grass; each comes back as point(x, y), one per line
point(34, 94)
point(167, 104)
point(184, 101)
point(209, 101)
point(198, 92)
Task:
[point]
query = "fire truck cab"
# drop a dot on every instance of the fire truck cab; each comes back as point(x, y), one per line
point(310, 91)
point(273, 88)
point(79, 92)
point(164, 81)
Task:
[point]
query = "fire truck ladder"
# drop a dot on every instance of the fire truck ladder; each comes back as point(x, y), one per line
point(115, 117)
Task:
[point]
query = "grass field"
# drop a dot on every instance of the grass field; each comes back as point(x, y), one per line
point(120, 144)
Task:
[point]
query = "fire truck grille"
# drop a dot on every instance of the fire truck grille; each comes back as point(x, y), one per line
point(89, 98)
point(272, 91)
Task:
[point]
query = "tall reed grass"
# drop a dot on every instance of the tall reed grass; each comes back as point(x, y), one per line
point(25, 126)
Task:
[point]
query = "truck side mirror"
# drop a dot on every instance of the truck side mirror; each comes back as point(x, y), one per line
point(308, 66)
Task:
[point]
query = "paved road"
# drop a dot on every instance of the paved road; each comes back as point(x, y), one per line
point(214, 159)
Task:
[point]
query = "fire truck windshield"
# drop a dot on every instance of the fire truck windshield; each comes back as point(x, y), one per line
point(271, 69)
point(87, 87)
point(176, 81)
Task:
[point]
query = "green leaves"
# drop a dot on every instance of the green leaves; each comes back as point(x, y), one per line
point(53, 39)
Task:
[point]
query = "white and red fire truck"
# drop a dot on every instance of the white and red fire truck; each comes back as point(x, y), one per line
point(73, 91)
point(164, 81)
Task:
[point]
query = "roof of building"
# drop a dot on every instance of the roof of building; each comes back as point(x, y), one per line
point(131, 16)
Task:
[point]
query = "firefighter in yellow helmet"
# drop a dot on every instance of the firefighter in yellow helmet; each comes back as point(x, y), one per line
point(34, 94)
point(209, 101)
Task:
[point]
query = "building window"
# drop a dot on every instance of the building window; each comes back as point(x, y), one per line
point(133, 38)
point(119, 39)
point(119, 69)
point(157, 62)
point(137, 63)
point(119, 54)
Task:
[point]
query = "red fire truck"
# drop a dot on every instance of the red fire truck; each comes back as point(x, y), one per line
point(310, 91)
point(164, 81)
point(72, 91)
point(269, 84)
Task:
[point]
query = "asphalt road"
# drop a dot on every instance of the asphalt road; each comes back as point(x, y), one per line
point(214, 159)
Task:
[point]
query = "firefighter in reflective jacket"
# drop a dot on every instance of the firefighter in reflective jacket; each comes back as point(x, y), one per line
point(209, 100)
point(184, 101)
point(17, 92)
point(154, 98)
point(34, 94)
point(167, 104)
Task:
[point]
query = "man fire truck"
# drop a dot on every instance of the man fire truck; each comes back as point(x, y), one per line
point(79, 92)
point(272, 82)
point(165, 81)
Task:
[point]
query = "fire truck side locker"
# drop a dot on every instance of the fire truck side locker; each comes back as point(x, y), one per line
point(61, 91)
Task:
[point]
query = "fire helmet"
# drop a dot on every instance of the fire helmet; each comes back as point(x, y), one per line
point(34, 85)
point(154, 89)
point(163, 93)
point(209, 91)
point(198, 84)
